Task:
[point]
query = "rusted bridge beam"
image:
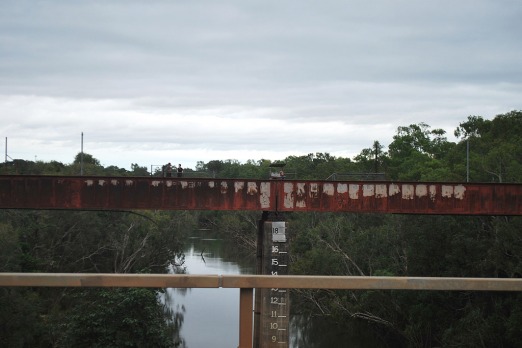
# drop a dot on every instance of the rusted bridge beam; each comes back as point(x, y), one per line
point(134, 193)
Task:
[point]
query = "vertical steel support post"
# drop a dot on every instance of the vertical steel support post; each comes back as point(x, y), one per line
point(246, 306)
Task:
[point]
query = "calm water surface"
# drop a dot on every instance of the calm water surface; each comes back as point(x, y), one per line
point(211, 316)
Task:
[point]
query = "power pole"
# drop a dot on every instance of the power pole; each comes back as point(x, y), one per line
point(81, 158)
point(467, 160)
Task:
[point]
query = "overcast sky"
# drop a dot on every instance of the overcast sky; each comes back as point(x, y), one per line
point(151, 82)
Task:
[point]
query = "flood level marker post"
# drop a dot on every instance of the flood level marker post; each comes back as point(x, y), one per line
point(272, 309)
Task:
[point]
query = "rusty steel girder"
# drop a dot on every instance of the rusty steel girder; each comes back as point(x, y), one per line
point(135, 193)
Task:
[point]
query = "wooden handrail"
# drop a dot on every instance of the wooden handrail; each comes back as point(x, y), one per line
point(246, 284)
point(257, 281)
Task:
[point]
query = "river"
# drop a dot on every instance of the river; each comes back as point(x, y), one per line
point(211, 316)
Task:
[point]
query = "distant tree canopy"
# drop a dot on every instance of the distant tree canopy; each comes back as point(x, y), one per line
point(86, 158)
point(416, 153)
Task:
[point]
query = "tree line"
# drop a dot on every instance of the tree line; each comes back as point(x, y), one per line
point(322, 243)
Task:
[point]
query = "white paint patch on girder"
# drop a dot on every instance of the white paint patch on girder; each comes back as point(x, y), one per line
point(394, 189)
point(408, 191)
point(301, 195)
point(264, 198)
point(342, 188)
point(433, 192)
point(224, 187)
point(169, 183)
point(184, 184)
point(114, 182)
point(289, 195)
point(421, 190)
point(252, 188)
point(239, 185)
point(89, 182)
point(381, 191)
point(328, 189)
point(301, 189)
point(211, 184)
point(447, 191)
point(353, 191)
point(129, 182)
point(459, 191)
point(101, 182)
point(368, 190)
point(156, 183)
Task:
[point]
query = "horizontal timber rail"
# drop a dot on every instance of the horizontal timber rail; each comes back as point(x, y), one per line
point(257, 281)
point(158, 193)
point(247, 283)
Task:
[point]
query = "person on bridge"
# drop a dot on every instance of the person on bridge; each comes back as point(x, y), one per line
point(180, 171)
point(169, 170)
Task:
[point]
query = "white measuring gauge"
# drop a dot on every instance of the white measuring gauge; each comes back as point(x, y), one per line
point(276, 309)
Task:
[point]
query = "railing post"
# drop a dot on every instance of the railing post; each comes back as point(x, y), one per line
point(246, 307)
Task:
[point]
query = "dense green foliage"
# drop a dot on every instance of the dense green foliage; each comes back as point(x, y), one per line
point(105, 242)
point(331, 244)
point(446, 246)
point(443, 246)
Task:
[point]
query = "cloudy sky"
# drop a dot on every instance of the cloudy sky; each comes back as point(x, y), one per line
point(150, 82)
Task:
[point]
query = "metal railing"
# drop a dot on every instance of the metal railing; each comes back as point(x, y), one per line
point(247, 284)
point(357, 176)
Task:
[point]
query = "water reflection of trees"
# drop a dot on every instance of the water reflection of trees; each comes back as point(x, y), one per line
point(240, 227)
point(174, 317)
point(321, 331)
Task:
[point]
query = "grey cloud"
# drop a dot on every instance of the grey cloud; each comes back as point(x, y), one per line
point(106, 66)
point(233, 43)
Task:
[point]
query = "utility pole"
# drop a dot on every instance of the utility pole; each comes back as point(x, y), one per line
point(81, 158)
point(467, 160)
